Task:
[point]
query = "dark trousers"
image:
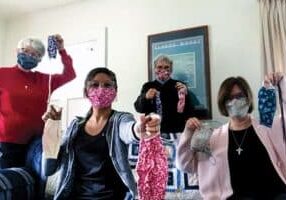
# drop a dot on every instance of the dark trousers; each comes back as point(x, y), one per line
point(12, 155)
point(25, 155)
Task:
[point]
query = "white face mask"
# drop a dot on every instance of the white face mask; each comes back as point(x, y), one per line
point(237, 107)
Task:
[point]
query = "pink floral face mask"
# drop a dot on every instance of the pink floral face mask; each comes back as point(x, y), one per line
point(163, 74)
point(101, 97)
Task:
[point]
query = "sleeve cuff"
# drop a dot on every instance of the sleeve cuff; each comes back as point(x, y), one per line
point(63, 52)
point(134, 133)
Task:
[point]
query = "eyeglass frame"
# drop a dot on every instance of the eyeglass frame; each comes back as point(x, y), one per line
point(31, 52)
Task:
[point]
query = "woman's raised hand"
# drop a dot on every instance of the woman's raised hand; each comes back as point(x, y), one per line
point(52, 113)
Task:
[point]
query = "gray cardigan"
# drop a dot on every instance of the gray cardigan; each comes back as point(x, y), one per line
point(119, 133)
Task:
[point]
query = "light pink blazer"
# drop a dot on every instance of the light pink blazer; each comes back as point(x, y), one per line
point(213, 172)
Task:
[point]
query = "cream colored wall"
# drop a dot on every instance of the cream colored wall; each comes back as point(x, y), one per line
point(2, 36)
point(234, 36)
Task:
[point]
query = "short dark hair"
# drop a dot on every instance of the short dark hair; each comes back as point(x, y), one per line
point(91, 74)
point(225, 91)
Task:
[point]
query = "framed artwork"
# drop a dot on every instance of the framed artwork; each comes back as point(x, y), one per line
point(189, 50)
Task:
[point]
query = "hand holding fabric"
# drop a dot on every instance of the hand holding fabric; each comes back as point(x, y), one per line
point(272, 79)
point(192, 124)
point(52, 113)
point(151, 93)
point(180, 86)
point(59, 41)
point(152, 165)
point(52, 132)
point(148, 126)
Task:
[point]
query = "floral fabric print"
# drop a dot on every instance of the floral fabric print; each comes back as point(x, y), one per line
point(101, 97)
point(266, 106)
point(182, 98)
point(152, 169)
point(158, 104)
point(52, 47)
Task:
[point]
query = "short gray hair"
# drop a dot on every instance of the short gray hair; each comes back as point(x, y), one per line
point(33, 42)
point(163, 58)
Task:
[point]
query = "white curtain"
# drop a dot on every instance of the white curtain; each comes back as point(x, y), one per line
point(273, 21)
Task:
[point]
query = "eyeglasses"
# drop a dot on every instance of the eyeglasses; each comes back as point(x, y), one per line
point(96, 84)
point(31, 52)
point(237, 96)
point(165, 67)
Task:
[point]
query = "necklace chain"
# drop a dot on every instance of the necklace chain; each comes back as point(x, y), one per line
point(239, 149)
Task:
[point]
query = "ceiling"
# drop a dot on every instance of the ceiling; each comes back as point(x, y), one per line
point(12, 8)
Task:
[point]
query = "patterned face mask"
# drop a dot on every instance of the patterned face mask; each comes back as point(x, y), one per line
point(101, 97)
point(200, 140)
point(162, 74)
point(237, 107)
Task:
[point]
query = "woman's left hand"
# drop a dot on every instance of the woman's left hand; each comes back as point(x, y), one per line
point(181, 87)
point(272, 79)
point(59, 41)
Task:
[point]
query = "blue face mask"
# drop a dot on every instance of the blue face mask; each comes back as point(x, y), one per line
point(26, 61)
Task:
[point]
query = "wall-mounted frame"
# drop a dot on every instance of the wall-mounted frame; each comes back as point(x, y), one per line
point(189, 50)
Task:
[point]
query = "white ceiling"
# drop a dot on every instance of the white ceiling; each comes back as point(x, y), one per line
point(12, 8)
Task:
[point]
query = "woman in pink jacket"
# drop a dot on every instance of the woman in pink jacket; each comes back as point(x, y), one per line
point(245, 160)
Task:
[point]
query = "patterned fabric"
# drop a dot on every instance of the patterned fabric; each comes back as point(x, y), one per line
point(52, 47)
point(180, 185)
point(266, 106)
point(16, 183)
point(101, 97)
point(158, 104)
point(182, 99)
point(152, 169)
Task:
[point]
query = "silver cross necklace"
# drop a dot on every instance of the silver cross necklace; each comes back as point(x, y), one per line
point(239, 149)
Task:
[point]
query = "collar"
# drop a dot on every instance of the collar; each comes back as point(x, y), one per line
point(162, 82)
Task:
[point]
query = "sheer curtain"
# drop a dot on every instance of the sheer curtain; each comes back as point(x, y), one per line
point(273, 23)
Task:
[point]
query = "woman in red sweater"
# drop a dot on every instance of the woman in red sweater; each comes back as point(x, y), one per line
point(23, 98)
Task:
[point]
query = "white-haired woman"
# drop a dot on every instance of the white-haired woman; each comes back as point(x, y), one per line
point(23, 98)
point(165, 96)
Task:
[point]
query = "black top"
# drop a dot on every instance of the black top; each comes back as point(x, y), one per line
point(172, 121)
point(96, 177)
point(252, 173)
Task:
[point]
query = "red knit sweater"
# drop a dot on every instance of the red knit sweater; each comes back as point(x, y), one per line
point(23, 100)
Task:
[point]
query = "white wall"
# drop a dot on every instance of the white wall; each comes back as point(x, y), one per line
point(234, 36)
point(2, 36)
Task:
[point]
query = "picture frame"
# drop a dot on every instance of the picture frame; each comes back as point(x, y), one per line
point(189, 51)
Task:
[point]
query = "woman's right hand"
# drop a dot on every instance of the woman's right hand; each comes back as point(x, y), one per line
point(52, 113)
point(193, 124)
point(150, 94)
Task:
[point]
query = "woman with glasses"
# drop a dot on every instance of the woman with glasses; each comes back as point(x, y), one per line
point(23, 98)
point(165, 96)
point(92, 158)
point(243, 162)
